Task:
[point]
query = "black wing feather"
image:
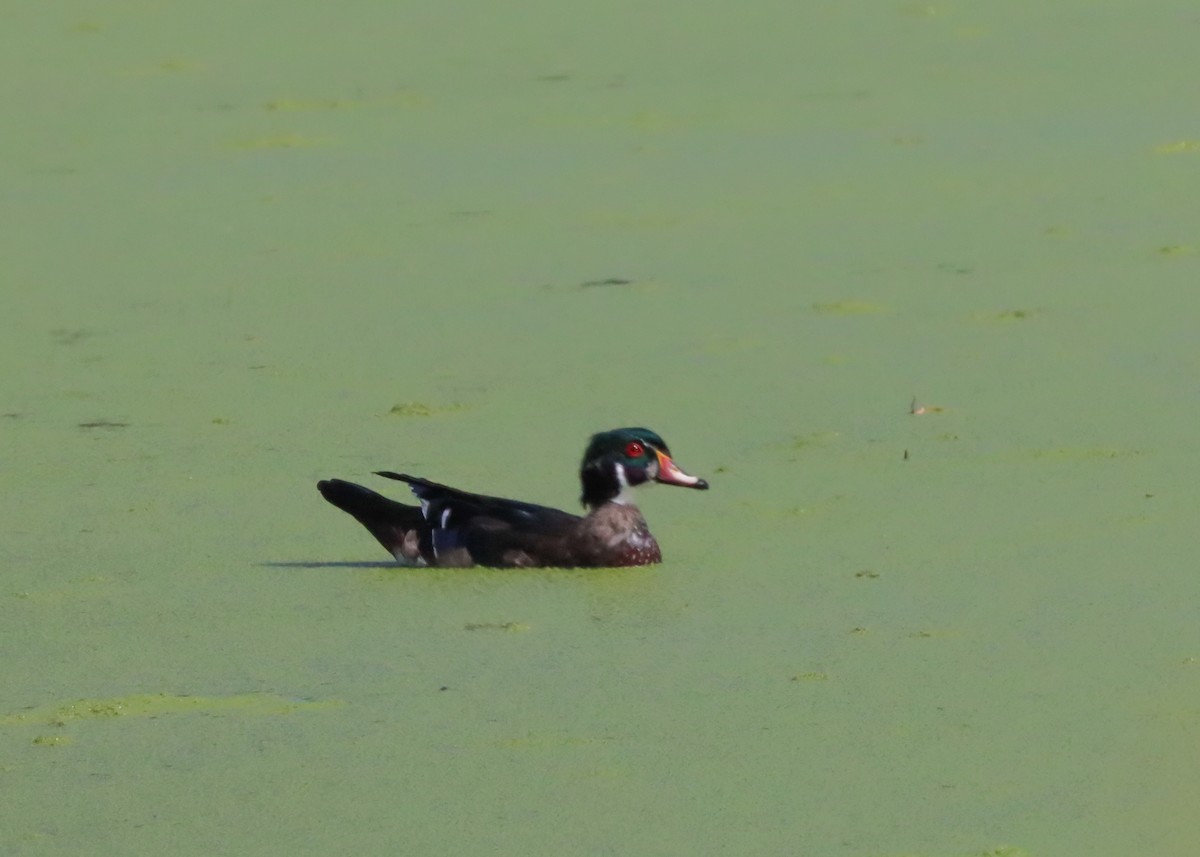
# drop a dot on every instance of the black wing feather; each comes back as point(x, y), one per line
point(460, 519)
point(464, 505)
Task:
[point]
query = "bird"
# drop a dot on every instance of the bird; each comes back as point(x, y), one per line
point(453, 528)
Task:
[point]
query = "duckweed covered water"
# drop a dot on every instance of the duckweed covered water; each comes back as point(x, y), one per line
point(913, 285)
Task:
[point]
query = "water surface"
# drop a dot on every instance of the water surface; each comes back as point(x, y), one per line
point(913, 285)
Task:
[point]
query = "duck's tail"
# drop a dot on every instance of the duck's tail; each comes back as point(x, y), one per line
point(394, 525)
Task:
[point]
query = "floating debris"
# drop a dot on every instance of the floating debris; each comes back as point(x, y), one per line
point(611, 281)
point(52, 740)
point(286, 105)
point(921, 410)
point(70, 336)
point(811, 676)
point(157, 704)
point(421, 409)
point(1177, 147)
point(496, 626)
point(850, 307)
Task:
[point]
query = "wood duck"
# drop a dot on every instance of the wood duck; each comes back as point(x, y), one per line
point(455, 528)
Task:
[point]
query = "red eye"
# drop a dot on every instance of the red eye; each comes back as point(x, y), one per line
point(634, 449)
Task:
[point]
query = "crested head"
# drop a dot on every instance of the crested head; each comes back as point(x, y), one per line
point(620, 442)
point(618, 460)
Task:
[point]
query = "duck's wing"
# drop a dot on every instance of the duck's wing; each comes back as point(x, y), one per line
point(461, 528)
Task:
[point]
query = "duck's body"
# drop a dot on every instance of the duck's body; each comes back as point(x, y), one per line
point(456, 528)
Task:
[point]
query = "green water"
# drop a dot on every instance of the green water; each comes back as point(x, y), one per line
point(248, 246)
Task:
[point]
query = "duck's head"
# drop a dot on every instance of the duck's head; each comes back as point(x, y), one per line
point(618, 460)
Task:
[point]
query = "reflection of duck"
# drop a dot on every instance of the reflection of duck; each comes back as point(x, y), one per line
point(454, 528)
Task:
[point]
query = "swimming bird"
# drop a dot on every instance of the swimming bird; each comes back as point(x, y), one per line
point(459, 529)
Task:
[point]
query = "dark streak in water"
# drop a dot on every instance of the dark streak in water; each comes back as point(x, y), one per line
point(611, 281)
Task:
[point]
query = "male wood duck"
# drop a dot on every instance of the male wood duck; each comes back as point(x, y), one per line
point(454, 528)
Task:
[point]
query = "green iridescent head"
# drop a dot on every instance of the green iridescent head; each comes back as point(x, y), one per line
point(618, 460)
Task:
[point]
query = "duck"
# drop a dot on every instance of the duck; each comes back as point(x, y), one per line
point(457, 529)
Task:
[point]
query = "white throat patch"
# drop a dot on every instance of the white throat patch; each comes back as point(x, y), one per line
point(625, 495)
